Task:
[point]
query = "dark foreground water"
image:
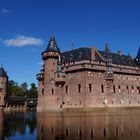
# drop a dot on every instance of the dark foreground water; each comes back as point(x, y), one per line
point(100, 125)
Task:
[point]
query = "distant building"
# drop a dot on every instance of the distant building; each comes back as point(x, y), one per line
point(87, 78)
point(3, 87)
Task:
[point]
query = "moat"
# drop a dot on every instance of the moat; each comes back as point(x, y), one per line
point(99, 125)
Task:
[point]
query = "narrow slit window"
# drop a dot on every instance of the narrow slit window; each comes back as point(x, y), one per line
point(43, 91)
point(114, 89)
point(79, 88)
point(127, 89)
point(138, 89)
point(90, 88)
point(119, 87)
point(66, 89)
point(102, 88)
point(52, 91)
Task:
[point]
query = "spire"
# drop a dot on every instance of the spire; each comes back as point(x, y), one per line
point(2, 72)
point(107, 48)
point(138, 54)
point(137, 59)
point(52, 45)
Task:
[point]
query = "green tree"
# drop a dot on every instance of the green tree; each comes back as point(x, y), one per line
point(16, 90)
point(24, 89)
point(10, 87)
point(32, 91)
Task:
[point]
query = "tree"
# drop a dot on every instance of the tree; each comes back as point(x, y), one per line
point(10, 87)
point(16, 90)
point(33, 91)
point(24, 89)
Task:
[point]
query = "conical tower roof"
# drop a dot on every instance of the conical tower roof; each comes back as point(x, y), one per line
point(2, 72)
point(52, 45)
point(107, 48)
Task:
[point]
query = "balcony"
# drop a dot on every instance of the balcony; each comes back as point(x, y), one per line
point(39, 76)
point(109, 76)
point(60, 79)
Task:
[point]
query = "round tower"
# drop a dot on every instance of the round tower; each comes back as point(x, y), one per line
point(50, 57)
point(3, 87)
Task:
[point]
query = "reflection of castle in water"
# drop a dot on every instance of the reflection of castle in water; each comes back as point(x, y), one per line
point(89, 126)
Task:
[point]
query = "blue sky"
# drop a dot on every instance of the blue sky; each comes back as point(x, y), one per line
point(26, 26)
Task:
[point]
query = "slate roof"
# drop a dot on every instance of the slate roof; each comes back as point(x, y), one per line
point(16, 98)
point(2, 72)
point(85, 54)
point(76, 55)
point(52, 45)
point(118, 59)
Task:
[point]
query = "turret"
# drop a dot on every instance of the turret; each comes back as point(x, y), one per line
point(3, 87)
point(40, 78)
point(50, 57)
point(109, 71)
point(59, 75)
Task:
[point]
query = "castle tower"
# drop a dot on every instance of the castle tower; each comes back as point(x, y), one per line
point(47, 97)
point(3, 87)
point(50, 57)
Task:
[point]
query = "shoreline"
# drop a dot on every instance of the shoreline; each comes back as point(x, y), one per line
point(92, 109)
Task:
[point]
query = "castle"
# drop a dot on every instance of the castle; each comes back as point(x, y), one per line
point(87, 78)
point(3, 87)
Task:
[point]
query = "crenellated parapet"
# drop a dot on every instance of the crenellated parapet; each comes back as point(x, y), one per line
point(47, 55)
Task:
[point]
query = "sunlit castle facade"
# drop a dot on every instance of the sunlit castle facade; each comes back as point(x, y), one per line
point(3, 87)
point(87, 78)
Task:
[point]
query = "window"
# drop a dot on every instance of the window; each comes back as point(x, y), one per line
point(132, 89)
point(138, 89)
point(102, 88)
point(90, 88)
point(127, 89)
point(52, 91)
point(43, 91)
point(66, 89)
point(119, 87)
point(114, 89)
point(79, 88)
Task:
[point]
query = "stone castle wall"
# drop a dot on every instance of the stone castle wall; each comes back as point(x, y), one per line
point(87, 89)
point(87, 78)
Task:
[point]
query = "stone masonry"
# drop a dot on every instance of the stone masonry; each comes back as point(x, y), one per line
point(87, 78)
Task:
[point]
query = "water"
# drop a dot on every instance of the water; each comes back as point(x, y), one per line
point(100, 125)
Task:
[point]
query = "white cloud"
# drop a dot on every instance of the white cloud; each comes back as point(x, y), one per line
point(5, 11)
point(21, 41)
point(40, 63)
